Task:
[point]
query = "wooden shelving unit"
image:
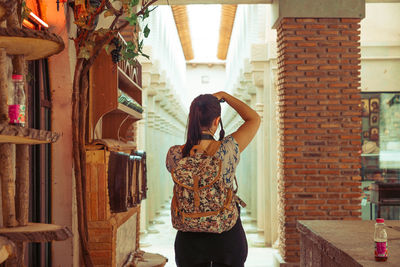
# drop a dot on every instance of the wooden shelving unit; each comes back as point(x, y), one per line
point(32, 44)
point(105, 80)
point(112, 122)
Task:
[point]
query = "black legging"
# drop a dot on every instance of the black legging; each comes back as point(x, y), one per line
point(208, 264)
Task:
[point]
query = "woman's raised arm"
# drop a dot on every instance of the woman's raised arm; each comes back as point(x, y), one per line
point(248, 129)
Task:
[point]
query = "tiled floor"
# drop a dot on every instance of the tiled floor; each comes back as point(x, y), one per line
point(160, 239)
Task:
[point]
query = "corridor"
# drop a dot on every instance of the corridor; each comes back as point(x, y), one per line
point(231, 60)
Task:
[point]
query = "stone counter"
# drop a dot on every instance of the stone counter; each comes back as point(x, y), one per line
point(345, 243)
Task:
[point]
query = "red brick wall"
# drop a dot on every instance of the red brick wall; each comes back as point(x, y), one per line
point(320, 124)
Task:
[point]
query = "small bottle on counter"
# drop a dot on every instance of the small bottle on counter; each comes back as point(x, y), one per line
point(16, 101)
point(380, 238)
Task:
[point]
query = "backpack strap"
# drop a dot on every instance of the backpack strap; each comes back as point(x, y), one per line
point(237, 186)
point(211, 150)
point(213, 147)
point(236, 197)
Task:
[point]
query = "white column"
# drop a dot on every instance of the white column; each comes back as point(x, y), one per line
point(150, 78)
point(247, 85)
point(272, 186)
point(151, 160)
point(141, 142)
point(270, 148)
point(257, 61)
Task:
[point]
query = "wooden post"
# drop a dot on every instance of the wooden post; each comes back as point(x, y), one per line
point(3, 86)
point(21, 152)
point(22, 159)
point(22, 185)
point(6, 173)
point(21, 173)
point(7, 185)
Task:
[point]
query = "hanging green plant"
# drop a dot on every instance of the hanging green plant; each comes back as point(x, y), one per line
point(87, 14)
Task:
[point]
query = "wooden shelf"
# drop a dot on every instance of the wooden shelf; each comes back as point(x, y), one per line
point(33, 44)
point(122, 108)
point(36, 232)
point(21, 135)
point(106, 78)
point(126, 84)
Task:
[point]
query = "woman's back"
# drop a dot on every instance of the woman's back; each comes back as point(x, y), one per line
point(228, 153)
point(206, 247)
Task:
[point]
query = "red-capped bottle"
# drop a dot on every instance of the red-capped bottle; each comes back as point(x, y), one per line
point(380, 238)
point(16, 101)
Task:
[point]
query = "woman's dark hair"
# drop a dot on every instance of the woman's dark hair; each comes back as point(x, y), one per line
point(203, 110)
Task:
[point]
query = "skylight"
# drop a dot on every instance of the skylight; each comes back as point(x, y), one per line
point(204, 23)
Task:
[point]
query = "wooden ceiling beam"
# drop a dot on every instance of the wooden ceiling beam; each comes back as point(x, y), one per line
point(182, 24)
point(228, 13)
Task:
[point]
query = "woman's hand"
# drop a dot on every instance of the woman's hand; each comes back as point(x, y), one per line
point(248, 129)
point(219, 95)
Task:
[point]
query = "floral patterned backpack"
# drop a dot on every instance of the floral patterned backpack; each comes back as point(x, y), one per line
point(201, 201)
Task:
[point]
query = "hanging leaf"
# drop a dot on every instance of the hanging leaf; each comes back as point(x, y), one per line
point(129, 54)
point(132, 19)
point(146, 13)
point(151, 10)
point(134, 3)
point(144, 55)
point(130, 46)
point(146, 31)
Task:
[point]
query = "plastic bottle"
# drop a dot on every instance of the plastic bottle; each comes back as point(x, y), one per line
point(380, 238)
point(16, 101)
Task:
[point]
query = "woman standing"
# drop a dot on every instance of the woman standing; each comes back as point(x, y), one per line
point(229, 248)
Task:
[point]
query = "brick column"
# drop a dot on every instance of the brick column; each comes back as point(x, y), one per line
point(319, 123)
